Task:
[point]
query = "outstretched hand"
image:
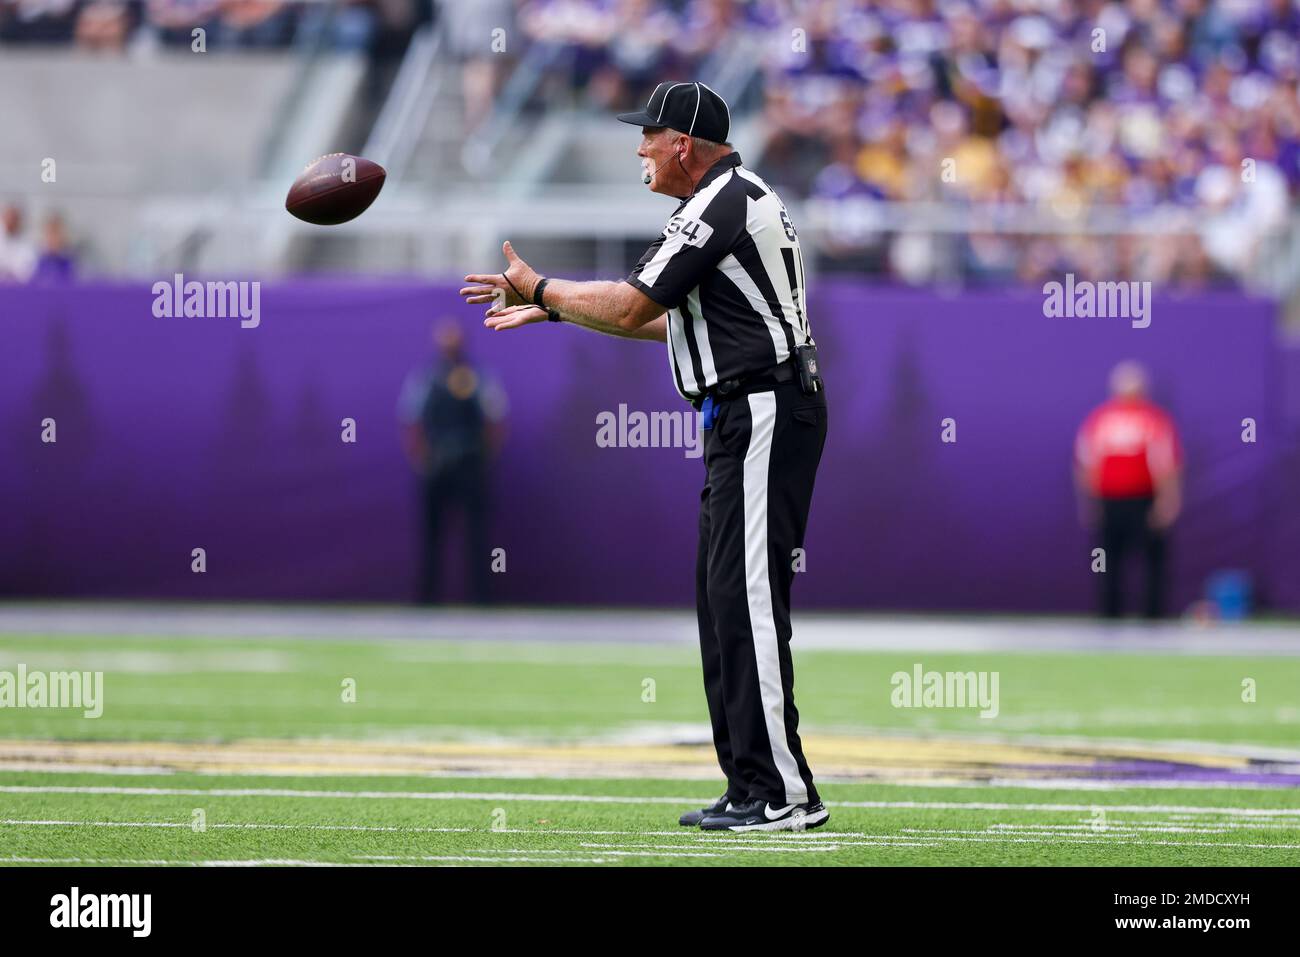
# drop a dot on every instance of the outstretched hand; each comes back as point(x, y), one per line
point(514, 287)
point(512, 317)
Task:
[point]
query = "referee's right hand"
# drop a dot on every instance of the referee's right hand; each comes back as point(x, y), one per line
point(503, 289)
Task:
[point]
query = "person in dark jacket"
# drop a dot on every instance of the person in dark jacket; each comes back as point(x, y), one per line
point(452, 416)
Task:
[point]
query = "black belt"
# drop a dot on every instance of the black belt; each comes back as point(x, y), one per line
point(743, 385)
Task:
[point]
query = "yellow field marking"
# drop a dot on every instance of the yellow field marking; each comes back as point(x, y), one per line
point(834, 756)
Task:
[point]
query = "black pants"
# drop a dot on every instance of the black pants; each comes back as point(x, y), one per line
point(1125, 527)
point(761, 457)
point(463, 485)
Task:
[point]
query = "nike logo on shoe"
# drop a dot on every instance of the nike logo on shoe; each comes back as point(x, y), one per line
point(761, 816)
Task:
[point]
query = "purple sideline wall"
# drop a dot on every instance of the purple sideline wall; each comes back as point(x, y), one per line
point(177, 433)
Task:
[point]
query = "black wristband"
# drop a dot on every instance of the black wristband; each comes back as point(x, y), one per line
point(553, 315)
point(537, 292)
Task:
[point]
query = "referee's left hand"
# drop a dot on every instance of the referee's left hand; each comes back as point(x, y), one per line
point(503, 289)
point(512, 317)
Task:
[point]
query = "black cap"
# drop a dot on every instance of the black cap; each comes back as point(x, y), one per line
point(690, 108)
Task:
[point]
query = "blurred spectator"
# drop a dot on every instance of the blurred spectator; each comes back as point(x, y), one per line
point(37, 21)
point(174, 21)
point(1128, 468)
point(453, 417)
point(395, 21)
point(104, 26)
point(350, 26)
point(1243, 205)
point(575, 32)
point(56, 262)
point(254, 23)
point(379, 27)
point(470, 40)
point(703, 22)
point(638, 53)
point(17, 255)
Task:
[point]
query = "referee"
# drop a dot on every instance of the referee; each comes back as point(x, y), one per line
point(723, 286)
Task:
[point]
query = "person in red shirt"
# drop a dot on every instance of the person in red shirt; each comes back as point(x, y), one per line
point(1128, 468)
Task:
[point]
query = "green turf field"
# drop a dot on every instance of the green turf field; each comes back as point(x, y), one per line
point(441, 820)
point(220, 750)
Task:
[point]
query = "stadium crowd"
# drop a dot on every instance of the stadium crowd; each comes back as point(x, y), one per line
point(1176, 112)
point(50, 260)
point(118, 25)
point(1179, 119)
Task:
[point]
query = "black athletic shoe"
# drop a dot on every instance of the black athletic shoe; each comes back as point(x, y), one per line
point(761, 816)
point(692, 818)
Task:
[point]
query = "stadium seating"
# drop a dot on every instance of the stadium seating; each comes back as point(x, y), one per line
point(977, 141)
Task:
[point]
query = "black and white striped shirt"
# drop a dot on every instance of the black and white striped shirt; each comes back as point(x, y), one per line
point(728, 270)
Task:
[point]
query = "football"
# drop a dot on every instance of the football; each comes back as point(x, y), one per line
point(334, 189)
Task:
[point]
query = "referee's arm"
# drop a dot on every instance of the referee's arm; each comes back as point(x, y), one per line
point(614, 308)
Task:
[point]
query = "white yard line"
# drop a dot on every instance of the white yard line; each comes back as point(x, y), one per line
point(185, 825)
point(1260, 825)
point(790, 847)
point(257, 862)
point(1176, 827)
point(947, 834)
point(690, 833)
point(598, 858)
point(723, 844)
point(453, 859)
point(1280, 813)
point(1123, 827)
point(1109, 784)
point(393, 795)
point(769, 848)
point(1087, 808)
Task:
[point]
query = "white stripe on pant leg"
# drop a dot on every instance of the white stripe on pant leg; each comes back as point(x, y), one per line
point(758, 591)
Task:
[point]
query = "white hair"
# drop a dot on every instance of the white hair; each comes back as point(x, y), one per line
point(709, 148)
